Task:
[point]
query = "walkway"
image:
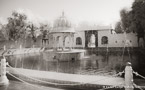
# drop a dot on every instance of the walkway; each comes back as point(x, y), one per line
point(73, 78)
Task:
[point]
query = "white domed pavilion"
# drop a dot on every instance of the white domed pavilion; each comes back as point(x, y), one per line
point(62, 34)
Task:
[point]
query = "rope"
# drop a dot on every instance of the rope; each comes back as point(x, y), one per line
point(136, 86)
point(25, 81)
point(119, 74)
point(17, 78)
point(109, 87)
point(137, 74)
point(58, 84)
point(35, 78)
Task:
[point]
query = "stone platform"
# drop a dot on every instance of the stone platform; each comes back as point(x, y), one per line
point(21, 51)
point(66, 80)
point(66, 55)
point(75, 54)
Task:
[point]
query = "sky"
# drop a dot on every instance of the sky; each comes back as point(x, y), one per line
point(104, 12)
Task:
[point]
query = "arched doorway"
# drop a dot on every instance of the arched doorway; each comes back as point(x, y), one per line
point(91, 38)
point(92, 41)
point(78, 41)
point(104, 40)
point(67, 42)
point(58, 40)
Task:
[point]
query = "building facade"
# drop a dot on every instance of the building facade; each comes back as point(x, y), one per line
point(64, 35)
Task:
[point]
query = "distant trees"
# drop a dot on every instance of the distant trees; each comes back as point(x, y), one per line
point(3, 32)
point(31, 29)
point(125, 24)
point(118, 28)
point(22, 24)
point(126, 20)
point(16, 26)
point(133, 20)
point(45, 29)
point(138, 17)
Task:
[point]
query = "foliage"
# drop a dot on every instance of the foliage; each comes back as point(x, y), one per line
point(118, 28)
point(138, 17)
point(126, 20)
point(3, 32)
point(134, 20)
point(16, 26)
point(23, 24)
point(32, 29)
point(2, 29)
point(45, 29)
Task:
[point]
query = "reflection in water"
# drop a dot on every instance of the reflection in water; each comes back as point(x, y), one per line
point(46, 62)
point(95, 64)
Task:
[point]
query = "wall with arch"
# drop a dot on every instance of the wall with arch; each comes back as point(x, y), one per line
point(60, 40)
point(113, 40)
point(117, 40)
point(80, 34)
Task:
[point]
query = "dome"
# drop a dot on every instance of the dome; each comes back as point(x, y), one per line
point(62, 25)
point(62, 22)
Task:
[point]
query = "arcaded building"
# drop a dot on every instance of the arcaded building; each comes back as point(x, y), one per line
point(62, 34)
point(65, 36)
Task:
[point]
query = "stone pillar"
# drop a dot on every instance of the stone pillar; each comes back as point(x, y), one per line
point(70, 42)
point(54, 43)
point(63, 45)
point(128, 77)
point(3, 78)
point(73, 41)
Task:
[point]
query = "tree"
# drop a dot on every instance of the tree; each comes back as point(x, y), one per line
point(16, 25)
point(45, 29)
point(23, 24)
point(3, 31)
point(118, 28)
point(32, 30)
point(126, 19)
point(134, 20)
point(138, 17)
point(37, 28)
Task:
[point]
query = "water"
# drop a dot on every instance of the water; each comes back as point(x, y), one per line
point(91, 65)
point(95, 65)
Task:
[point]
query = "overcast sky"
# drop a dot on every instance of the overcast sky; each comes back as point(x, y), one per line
point(93, 11)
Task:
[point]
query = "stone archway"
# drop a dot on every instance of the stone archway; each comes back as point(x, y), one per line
point(78, 41)
point(67, 42)
point(92, 41)
point(58, 39)
point(88, 35)
point(104, 40)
